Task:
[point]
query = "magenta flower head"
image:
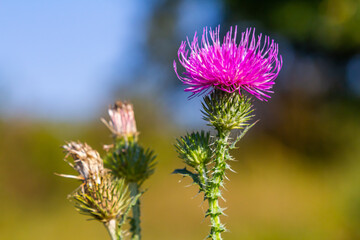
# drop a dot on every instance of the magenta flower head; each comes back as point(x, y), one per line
point(249, 65)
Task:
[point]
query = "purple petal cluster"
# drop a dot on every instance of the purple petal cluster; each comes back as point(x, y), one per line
point(251, 65)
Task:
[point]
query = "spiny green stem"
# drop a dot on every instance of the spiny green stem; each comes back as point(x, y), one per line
point(135, 221)
point(203, 176)
point(111, 226)
point(222, 154)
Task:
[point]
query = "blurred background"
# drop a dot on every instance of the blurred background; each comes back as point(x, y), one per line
point(63, 62)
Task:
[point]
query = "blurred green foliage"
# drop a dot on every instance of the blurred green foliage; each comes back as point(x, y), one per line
point(330, 25)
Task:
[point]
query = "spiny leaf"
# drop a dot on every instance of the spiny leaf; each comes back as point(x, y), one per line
point(187, 173)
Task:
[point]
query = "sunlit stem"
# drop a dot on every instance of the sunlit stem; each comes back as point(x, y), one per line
point(111, 226)
point(222, 153)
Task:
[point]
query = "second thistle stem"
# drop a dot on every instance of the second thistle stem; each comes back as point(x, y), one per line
point(111, 226)
point(222, 153)
point(135, 221)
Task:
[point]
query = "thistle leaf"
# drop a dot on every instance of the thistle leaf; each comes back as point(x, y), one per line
point(186, 173)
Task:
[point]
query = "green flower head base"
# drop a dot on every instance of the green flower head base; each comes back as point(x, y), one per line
point(226, 111)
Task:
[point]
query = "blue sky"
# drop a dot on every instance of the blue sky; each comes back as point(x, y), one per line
point(56, 57)
point(59, 59)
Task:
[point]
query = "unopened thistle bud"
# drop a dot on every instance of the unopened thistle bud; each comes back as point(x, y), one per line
point(194, 148)
point(87, 162)
point(122, 121)
point(133, 163)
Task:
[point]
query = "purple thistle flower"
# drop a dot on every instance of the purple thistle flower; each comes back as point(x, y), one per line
point(228, 66)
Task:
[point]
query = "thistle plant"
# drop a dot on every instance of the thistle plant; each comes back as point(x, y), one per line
point(228, 74)
point(127, 158)
point(111, 187)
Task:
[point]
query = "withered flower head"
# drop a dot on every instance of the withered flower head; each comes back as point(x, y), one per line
point(122, 120)
point(87, 161)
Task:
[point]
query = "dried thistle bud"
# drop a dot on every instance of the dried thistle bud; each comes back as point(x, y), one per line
point(87, 162)
point(104, 200)
point(122, 120)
